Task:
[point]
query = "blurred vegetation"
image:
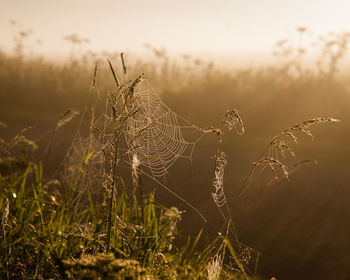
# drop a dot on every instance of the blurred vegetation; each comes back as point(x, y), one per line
point(300, 227)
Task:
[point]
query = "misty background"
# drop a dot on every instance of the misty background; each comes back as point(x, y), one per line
point(277, 62)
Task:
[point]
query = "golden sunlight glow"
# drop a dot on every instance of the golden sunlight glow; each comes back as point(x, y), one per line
point(201, 27)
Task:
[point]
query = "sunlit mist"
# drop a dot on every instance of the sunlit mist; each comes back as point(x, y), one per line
point(225, 27)
point(182, 139)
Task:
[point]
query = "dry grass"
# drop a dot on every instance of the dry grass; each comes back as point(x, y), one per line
point(277, 150)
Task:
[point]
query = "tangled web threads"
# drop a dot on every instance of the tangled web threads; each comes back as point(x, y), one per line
point(84, 157)
point(233, 120)
point(218, 183)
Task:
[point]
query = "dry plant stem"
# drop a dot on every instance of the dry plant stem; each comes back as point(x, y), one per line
point(141, 197)
point(113, 189)
point(277, 145)
point(114, 168)
point(123, 62)
point(121, 116)
point(95, 74)
point(246, 181)
point(114, 74)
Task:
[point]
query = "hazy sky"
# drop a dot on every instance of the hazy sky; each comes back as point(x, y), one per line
point(181, 26)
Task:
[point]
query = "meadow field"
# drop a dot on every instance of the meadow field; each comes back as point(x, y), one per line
point(54, 225)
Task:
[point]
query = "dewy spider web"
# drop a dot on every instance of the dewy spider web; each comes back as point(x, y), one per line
point(154, 135)
point(155, 132)
point(84, 166)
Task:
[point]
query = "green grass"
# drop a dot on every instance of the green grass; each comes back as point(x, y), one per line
point(43, 236)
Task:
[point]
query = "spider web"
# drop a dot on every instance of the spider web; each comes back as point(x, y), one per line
point(84, 166)
point(155, 132)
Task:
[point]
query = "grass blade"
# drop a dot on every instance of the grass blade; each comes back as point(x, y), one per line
point(113, 72)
